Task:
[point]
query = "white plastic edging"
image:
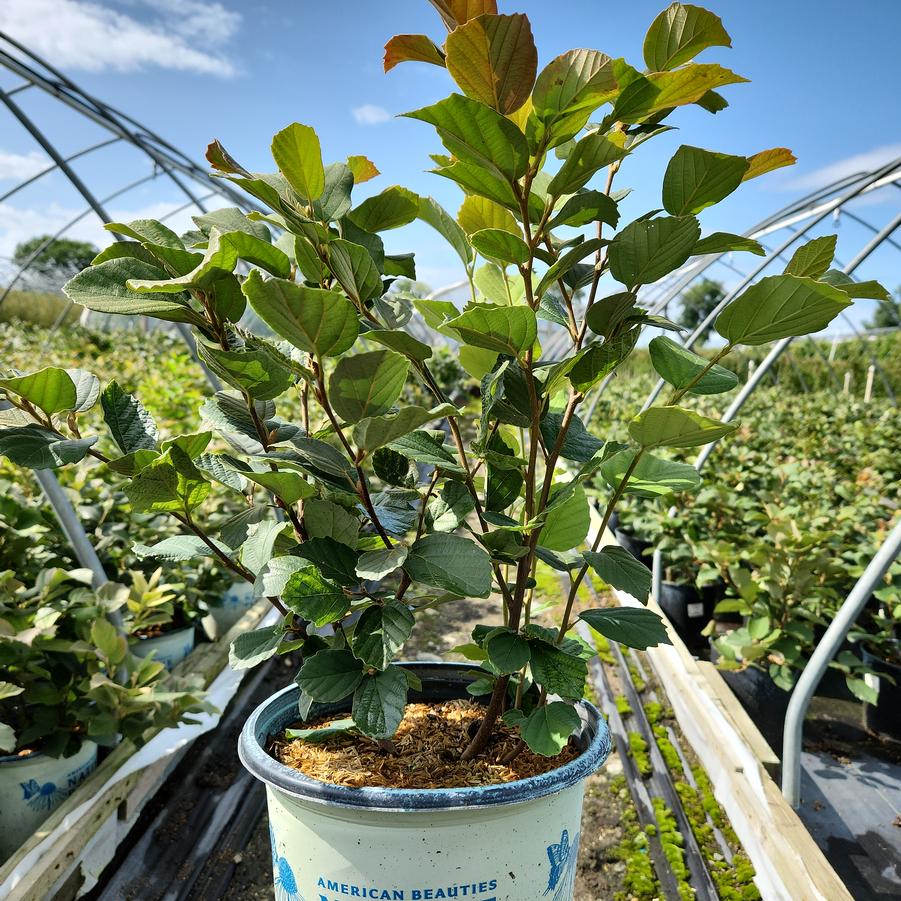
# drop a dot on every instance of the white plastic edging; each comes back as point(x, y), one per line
point(164, 744)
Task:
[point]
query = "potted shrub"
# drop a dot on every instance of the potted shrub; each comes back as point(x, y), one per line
point(359, 509)
point(68, 686)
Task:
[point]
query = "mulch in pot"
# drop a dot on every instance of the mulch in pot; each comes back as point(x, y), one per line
point(424, 753)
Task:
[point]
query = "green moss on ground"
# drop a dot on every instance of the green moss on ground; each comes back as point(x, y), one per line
point(638, 751)
point(639, 881)
point(622, 705)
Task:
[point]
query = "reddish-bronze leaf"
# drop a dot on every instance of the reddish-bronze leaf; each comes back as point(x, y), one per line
point(459, 12)
point(493, 59)
point(412, 48)
point(220, 159)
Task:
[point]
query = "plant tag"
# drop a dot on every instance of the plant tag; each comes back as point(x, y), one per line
point(872, 681)
point(695, 610)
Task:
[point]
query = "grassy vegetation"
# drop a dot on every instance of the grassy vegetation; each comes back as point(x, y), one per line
point(34, 308)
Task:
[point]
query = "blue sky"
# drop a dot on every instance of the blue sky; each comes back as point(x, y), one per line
point(824, 82)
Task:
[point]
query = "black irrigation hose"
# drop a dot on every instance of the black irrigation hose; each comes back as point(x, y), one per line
point(659, 784)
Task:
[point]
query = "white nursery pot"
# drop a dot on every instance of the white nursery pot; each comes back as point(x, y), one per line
point(33, 786)
point(516, 841)
point(170, 647)
point(236, 601)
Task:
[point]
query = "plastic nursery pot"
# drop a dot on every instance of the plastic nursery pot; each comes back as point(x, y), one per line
point(765, 702)
point(508, 842)
point(637, 547)
point(170, 647)
point(884, 717)
point(32, 787)
point(236, 601)
point(689, 609)
point(833, 684)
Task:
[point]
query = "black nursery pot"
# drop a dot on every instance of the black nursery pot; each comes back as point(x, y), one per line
point(765, 702)
point(637, 547)
point(884, 717)
point(689, 609)
point(833, 684)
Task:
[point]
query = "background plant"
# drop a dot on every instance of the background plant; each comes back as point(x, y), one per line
point(337, 528)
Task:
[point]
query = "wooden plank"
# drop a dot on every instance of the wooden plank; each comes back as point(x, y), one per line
point(56, 864)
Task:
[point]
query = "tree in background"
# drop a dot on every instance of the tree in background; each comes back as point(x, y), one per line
point(698, 302)
point(887, 314)
point(58, 262)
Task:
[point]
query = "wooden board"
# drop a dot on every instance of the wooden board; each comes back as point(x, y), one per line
point(53, 876)
point(741, 765)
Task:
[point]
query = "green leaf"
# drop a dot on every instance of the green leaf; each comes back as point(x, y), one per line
point(696, 179)
point(334, 202)
point(560, 673)
point(355, 270)
point(585, 207)
point(315, 598)
point(498, 244)
point(219, 260)
point(432, 213)
point(547, 729)
point(367, 384)
point(599, 360)
point(381, 632)
point(334, 560)
point(617, 567)
point(421, 447)
point(231, 219)
point(679, 34)
point(478, 213)
point(297, 154)
point(394, 207)
point(680, 367)
point(453, 504)
point(330, 676)
point(402, 342)
point(323, 519)
point(494, 60)
point(87, 389)
point(565, 263)
point(652, 476)
point(647, 249)
point(452, 563)
point(170, 483)
point(251, 648)
point(377, 431)
point(508, 652)
point(635, 627)
point(780, 306)
point(570, 88)
point(375, 565)
point(508, 330)
point(862, 690)
point(587, 157)
point(478, 134)
point(36, 448)
point(320, 322)
point(812, 259)
point(566, 524)
point(147, 231)
point(103, 289)
point(871, 290)
point(108, 641)
point(176, 548)
point(339, 728)
point(254, 368)
point(660, 91)
point(578, 445)
point(379, 702)
point(721, 242)
point(607, 314)
point(289, 486)
point(51, 390)
point(676, 427)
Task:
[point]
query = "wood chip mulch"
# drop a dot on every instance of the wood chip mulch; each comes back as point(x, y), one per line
point(424, 753)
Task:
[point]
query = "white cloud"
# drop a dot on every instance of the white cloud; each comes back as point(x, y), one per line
point(369, 114)
point(19, 166)
point(18, 224)
point(88, 36)
point(857, 164)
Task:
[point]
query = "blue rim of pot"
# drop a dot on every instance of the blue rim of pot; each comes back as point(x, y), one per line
point(278, 711)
